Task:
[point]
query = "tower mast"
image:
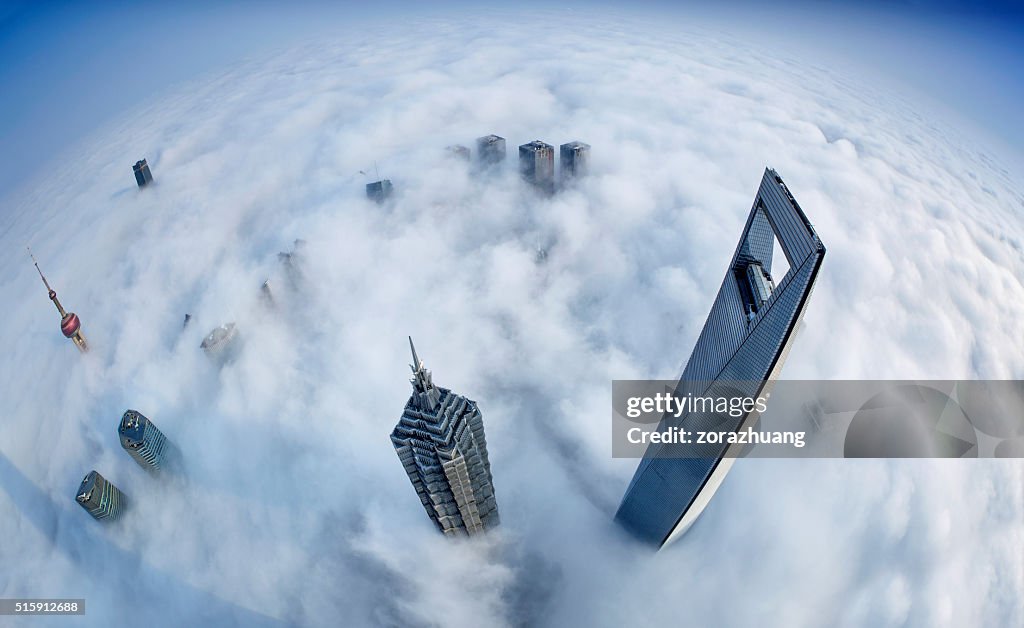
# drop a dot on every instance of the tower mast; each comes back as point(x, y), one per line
point(53, 293)
point(424, 392)
point(70, 325)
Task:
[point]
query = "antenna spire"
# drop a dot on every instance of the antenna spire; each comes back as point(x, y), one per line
point(425, 395)
point(51, 291)
point(416, 364)
point(41, 276)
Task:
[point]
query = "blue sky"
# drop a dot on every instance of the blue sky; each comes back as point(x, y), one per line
point(69, 68)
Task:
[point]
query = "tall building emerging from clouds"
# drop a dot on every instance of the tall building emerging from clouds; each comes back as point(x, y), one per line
point(222, 344)
point(143, 441)
point(537, 164)
point(490, 150)
point(742, 346)
point(100, 498)
point(292, 263)
point(267, 295)
point(440, 441)
point(142, 174)
point(70, 325)
point(575, 159)
point(458, 152)
point(379, 191)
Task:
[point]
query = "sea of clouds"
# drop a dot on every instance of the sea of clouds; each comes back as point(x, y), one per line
point(294, 509)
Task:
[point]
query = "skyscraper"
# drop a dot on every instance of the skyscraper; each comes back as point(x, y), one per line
point(440, 441)
point(741, 348)
point(142, 174)
point(70, 325)
point(458, 151)
point(267, 295)
point(491, 150)
point(222, 344)
point(575, 159)
point(537, 164)
point(100, 498)
point(379, 191)
point(292, 261)
point(144, 442)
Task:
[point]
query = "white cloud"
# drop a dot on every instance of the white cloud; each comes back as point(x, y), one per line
point(294, 505)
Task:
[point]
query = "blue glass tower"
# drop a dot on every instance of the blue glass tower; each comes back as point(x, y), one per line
point(490, 150)
point(575, 158)
point(143, 176)
point(537, 164)
point(143, 441)
point(379, 191)
point(740, 349)
point(100, 498)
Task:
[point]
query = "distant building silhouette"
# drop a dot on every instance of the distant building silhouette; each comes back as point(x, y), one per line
point(222, 344)
point(291, 263)
point(100, 498)
point(575, 159)
point(379, 191)
point(440, 441)
point(144, 442)
point(537, 164)
point(267, 295)
point(70, 325)
point(490, 150)
point(459, 152)
point(142, 174)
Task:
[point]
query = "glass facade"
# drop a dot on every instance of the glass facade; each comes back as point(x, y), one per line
point(100, 498)
point(742, 346)
point(142, 174)
point(761, 285)
point(537, 164)
point(440, 442)
point(490, 149)
point(575, 159)
point(143, 441)
point(379, 191)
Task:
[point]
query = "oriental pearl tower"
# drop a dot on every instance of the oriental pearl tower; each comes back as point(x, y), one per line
point(70, 325)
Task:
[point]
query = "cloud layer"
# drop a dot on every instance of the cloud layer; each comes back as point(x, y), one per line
point(294, 507)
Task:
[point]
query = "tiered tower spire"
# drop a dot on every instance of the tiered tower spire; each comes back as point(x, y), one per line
point(440, 442)
point(425, 395)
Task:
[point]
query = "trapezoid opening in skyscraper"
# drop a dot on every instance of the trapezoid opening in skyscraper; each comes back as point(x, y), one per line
point(741, 348)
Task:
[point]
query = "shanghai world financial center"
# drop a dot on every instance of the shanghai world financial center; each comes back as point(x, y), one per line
point(740, 349)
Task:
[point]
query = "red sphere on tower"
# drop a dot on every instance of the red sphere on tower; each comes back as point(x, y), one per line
point(70, 324)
